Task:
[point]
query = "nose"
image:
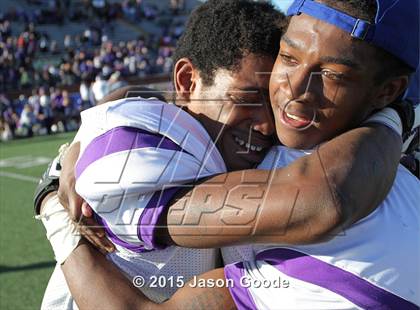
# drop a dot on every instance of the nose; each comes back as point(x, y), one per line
point(299, 84)
point(263, 121)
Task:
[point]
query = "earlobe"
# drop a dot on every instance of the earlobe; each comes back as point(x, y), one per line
point(391, 90)
point(184, 78)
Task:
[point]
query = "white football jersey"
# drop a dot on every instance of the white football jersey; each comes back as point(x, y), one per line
point(375, 264)
point(135, 155)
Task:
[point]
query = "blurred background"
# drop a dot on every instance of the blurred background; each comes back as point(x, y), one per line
point(58, 58)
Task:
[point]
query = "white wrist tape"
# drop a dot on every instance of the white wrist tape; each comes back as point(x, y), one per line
point(61, 231)
point(388, 117)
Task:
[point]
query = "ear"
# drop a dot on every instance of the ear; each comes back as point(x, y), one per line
point(185, 76)
point(390, 90)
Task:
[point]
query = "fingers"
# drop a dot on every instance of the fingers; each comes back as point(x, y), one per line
point(79, 211)
point(93, 226)
point(75, 206)
point(95, 234)
point(93, 240)
point(86, 210)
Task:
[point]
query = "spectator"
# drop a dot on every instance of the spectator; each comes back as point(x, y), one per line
point(6, 133)
point(86, 95)
point(99, 87)
point(8, 116)
point(177, 6)
point(25, 81)
point(100, 8)
point(68, 110)
point(43, 44)
point(45, 114)
point(115, 82)
point(33, 100)
point(67, 42)
point(27, 120)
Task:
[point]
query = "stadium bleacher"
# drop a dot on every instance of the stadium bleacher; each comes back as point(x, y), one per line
point(48, 48)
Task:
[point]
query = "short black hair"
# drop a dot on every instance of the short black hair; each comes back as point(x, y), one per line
point(219, 33)
point(389, 65)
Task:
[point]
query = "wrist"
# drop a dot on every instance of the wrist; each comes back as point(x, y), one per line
point(45, 200)
point(60, 230)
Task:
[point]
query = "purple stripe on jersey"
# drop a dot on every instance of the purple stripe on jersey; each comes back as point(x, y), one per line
point(238, 290)
point(114, 238)
point(150, 216)
point(147, 223)
point(355, 289)
point(121, 139)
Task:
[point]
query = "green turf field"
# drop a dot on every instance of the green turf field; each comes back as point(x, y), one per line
point(26, 260)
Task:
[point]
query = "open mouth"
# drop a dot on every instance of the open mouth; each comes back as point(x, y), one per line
point(244, 150)
point(296, 115)
point(295, 120)
point(249, 146)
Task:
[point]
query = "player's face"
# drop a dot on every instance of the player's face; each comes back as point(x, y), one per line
point(321, 83)
point(235, 111)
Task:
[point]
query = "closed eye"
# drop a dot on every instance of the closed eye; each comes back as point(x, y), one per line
point(288, 60)
point(253, 100)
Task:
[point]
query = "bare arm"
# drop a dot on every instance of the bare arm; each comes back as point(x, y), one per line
point(108, 289)
point(310, 200)
point(305, 202)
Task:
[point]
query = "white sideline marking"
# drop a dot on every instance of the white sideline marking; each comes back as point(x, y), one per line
point(26, 161)
point(18, 176)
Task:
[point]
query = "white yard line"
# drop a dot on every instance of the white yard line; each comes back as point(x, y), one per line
point(26, 161)
point(17, 176)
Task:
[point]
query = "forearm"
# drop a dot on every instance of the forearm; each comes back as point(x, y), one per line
point(362, 171)
point(307, 201)
point(282, 211)
point(95, 283)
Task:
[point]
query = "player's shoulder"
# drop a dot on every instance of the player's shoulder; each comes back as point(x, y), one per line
point(149, 114)
point(136, 103)
point(125, 107)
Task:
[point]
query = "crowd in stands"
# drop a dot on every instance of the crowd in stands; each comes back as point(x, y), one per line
point(53, 109)
point(81, 58)
point(43, 69)
point(43, 112)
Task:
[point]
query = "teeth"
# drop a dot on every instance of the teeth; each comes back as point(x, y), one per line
point(239, 141)
point(249, 146)
point(296, 118)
